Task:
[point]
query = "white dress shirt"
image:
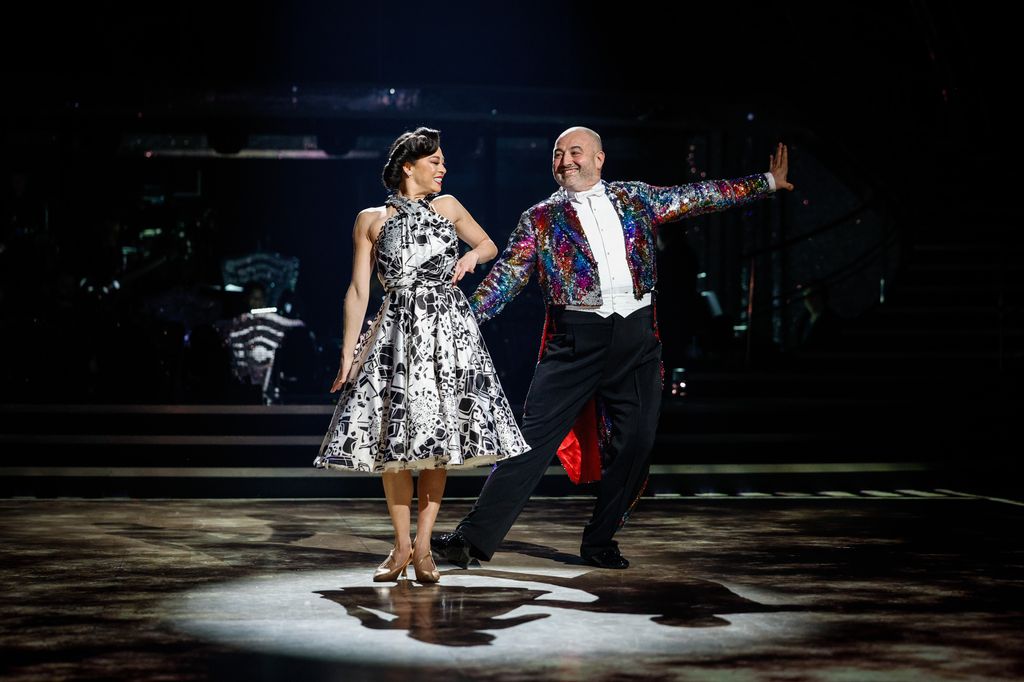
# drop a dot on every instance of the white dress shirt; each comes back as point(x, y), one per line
point(603, 230)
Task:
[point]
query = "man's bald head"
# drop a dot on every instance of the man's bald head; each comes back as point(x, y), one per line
point(592, 134)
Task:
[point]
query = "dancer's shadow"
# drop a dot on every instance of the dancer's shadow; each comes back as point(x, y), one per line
point(452, 616)
point(460, 615)
point(669, 599)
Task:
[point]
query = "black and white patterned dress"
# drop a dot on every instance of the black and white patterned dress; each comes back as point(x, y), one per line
point(423, 392)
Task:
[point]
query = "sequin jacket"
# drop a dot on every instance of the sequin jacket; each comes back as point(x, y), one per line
point(550, 239)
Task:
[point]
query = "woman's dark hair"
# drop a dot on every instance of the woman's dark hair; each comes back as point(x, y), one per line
point(409, 147)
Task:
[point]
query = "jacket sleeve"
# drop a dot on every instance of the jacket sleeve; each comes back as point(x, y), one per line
point(510, 273)
point(666, 204)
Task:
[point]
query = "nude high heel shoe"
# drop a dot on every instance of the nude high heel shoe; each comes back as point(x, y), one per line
point(390, 570)
point(425, 569)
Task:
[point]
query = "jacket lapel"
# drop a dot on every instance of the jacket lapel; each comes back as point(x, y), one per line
point(567, 226)
point(618, 196)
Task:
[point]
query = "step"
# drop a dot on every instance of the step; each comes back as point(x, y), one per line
point(895, 479)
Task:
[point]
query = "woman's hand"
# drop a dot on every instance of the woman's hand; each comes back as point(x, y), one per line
point(466, 264)
point(346, 367)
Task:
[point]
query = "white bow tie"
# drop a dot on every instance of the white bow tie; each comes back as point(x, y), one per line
point(595, 191)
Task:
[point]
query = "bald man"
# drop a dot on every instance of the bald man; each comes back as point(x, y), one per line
point(596, 392)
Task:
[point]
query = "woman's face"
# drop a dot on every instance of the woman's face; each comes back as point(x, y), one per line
point(426, 175)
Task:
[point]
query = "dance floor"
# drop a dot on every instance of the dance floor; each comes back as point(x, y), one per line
point(831, 585)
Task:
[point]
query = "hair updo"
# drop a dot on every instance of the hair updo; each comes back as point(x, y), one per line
point(408, 148)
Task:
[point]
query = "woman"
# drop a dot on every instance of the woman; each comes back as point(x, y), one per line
point(418, 389)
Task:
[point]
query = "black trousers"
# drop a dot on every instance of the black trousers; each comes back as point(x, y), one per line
point(616, 358)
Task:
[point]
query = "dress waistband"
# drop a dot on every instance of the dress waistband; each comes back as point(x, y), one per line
point(419, 284)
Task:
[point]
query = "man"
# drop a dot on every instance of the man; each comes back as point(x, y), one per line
point(596, 391)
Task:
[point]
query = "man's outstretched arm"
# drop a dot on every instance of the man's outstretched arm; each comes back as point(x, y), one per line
point(510, 273)
point(683, 201)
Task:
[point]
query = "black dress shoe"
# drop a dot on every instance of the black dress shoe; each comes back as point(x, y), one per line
point(609, 558)
point(453, 547)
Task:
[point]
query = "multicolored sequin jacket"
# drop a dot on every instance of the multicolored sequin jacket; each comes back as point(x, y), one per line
point(550, 239)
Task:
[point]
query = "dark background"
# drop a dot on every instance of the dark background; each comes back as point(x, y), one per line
point(900, 118)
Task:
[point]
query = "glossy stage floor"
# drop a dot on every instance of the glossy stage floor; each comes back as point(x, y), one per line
point(834, 585)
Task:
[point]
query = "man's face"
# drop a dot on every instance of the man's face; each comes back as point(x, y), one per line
point(576, 162)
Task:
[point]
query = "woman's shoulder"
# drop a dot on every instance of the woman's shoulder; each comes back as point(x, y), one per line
point(447, 200)
point(447, 205)
point(372, 214)
point(371, 219)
